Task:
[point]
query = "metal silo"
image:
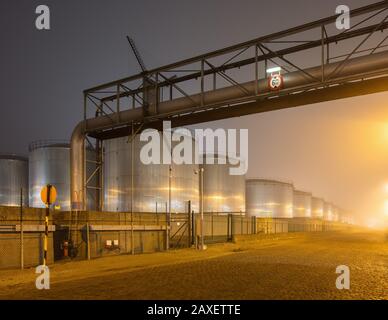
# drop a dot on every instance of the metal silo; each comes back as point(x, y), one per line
point(151, 182)
point(328, 211)
point(13, 179)
point(223, 192)
point(317, 207)
point(49, 163)
point(302, 204)
point(269, 198)
point(335, 216)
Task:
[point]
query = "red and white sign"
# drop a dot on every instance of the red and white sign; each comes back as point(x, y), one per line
point(275, 82)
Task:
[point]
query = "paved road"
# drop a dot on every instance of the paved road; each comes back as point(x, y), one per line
point(297, 267)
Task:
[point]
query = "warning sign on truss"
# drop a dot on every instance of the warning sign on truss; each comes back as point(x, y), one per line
point(275, 82)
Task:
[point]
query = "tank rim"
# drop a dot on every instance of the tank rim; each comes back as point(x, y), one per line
point(303, 193)
point(38, 144)
point(272, 181)
point(12, 156)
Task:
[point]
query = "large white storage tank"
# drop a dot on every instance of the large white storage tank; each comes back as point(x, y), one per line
point(335, 216)
point(269, 198)
point(13, 180)
point(151, 182)
point(302, 204)
point(223, 192)
point(49, 163)
point(328, 211)
point(317, 207)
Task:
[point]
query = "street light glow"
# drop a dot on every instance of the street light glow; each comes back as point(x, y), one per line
point(274, 69)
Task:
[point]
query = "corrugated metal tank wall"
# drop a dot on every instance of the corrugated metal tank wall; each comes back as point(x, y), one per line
point(223, 192)
point(328, 211)
point(13, 178)
point(302, 204)
point(49, 163)
point(269, 198)
point(335, 213)
point(317, 205)
point(150, 181)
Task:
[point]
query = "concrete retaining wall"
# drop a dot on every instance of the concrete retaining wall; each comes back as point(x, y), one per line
point(10, 240)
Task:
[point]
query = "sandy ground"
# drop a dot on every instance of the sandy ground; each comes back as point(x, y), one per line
point(292, 266)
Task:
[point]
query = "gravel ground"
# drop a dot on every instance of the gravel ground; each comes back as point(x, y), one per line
point(293, 266)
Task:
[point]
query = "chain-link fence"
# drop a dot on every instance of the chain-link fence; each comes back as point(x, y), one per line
point(89, 234)
point(22, 233)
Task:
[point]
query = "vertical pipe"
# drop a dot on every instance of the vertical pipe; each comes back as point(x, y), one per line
point(256, 71)
point(132, 194)
point(85, 187)
point(323, 52)
point(102, 176)
point(189, 223)
point(21, 231)
point(202, 231)
point(202, 82)
point(157, 93)
point(212, 226)
point(169, 206)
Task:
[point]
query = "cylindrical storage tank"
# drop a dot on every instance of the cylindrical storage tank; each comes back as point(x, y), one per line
point(302, 204)
point(328, 211)
point(49, 163)
point(317, 207)
point(13, 180)
point(269, 198)
point(151, 182)
point(223, 192)
point(335, 215)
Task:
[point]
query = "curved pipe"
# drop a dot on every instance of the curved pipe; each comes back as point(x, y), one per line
point(355, 66)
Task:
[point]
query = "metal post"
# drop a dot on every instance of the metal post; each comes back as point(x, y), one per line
point(202, 226)
point(46, 225)
point(132, 186)
point(323, 52)
point(118, 102)
point(167, 234)
point(202, 82)
point(169, 206)
point(256, 71)
point(189, 223)
point(88, 239)
point(21, 231)
point(212, 226)
point(193, 227)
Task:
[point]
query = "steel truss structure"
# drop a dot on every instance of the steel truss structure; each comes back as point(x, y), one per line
point(320, 40)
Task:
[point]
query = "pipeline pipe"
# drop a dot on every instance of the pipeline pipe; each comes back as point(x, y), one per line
point(353, 67)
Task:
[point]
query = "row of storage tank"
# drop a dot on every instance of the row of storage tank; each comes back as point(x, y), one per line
point(154, 186)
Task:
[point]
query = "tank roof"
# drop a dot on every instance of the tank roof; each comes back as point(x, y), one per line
point(13, 157)
point(263, 180)
point(48, 144)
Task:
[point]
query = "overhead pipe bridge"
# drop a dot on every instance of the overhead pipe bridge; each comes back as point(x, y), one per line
point(125, 106)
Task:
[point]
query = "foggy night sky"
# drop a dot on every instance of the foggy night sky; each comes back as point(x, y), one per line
point(338, 150)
